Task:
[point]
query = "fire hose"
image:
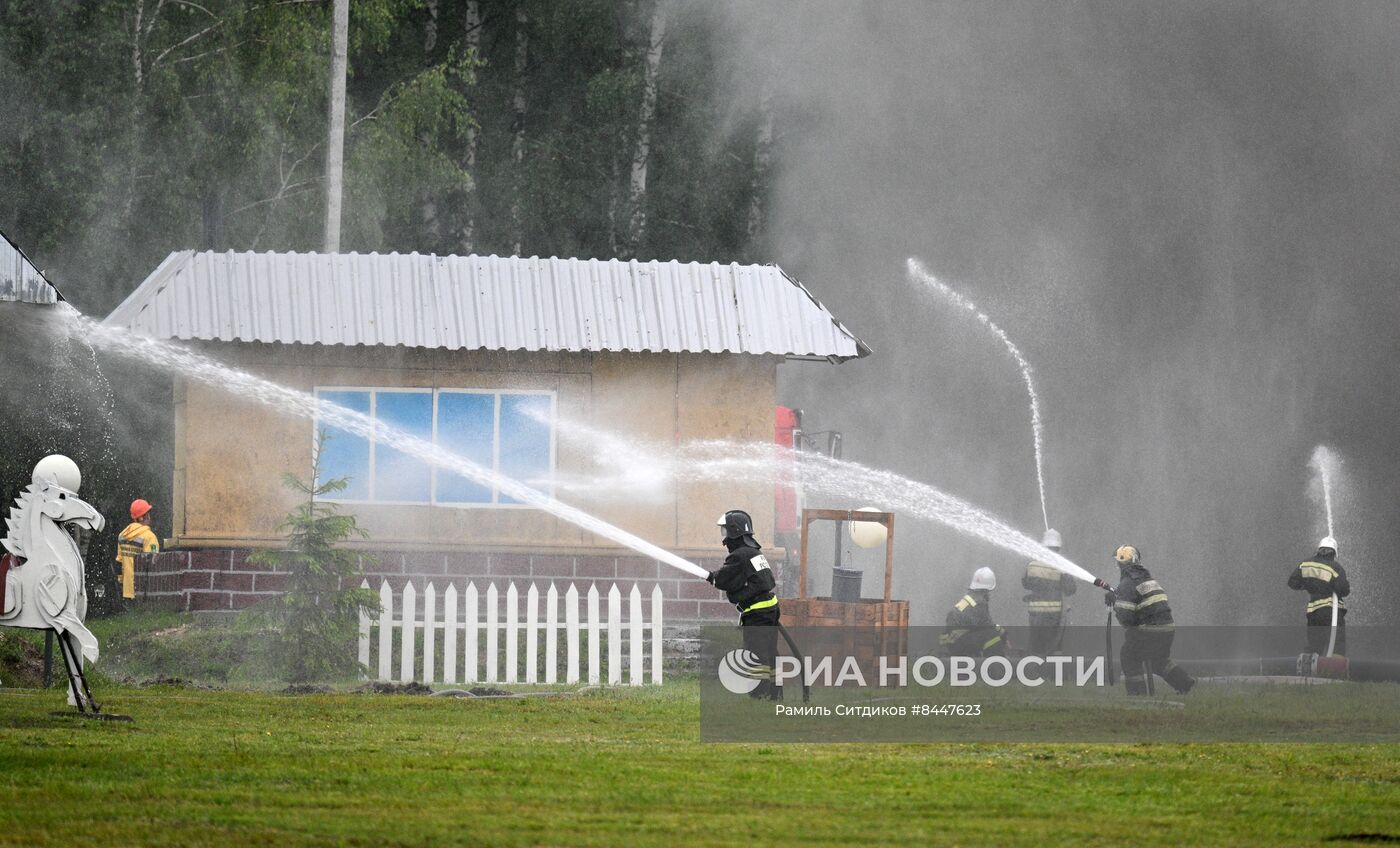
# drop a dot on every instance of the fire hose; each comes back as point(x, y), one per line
point(787, 637)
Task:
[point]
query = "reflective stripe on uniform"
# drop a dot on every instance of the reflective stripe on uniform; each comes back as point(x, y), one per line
point(1318, 571)
point(1325, 602)
point(138, 539)
point(1045, 606)
point(1039, 571)
point(1157, 628)
point(990, 642)
point(135, 540)
point(771, 602)
point(1126, 606)
point(1155, 599)
point(967, 601)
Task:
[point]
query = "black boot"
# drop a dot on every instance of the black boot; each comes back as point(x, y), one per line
point(1179, 678)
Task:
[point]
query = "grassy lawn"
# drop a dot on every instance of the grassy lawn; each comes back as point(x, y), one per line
point(609, 768)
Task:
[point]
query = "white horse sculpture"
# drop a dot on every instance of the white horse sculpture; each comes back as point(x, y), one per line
point(47, 589)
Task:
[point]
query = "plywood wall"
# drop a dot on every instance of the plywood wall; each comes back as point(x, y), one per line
point(231, 453)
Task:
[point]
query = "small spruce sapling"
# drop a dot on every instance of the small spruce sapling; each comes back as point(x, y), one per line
point(316, 620)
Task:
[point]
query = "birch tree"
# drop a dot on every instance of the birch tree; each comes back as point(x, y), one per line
point(335, 136)
point(472, 42)
point(641, 151)
point(762, 162)
point(517, 146)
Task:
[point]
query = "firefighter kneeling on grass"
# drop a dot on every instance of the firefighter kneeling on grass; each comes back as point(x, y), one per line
point(747, 580)
point(969, 630)
point(1140, 604)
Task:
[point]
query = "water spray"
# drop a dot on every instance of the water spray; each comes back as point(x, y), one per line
point(1325, 464)
point(291, 401)
point(920, 273)
point(711, 460)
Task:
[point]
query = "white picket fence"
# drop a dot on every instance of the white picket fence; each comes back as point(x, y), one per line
point(475, 636)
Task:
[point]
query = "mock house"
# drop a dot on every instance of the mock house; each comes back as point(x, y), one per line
point(502, 360)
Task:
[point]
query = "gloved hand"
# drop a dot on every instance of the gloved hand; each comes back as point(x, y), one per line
point(710, 578)
point(1109, 598)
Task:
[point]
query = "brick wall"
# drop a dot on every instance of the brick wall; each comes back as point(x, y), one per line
point(203, 580)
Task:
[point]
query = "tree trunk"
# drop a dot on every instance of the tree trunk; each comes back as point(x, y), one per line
point(762, 162)
point(212, 212)
point(430, 28)
point(335, 140)
point(427, 203)
point(517, 148)
point(136, 113)
point(614, 189)
point(473, 43)
point(642, 151)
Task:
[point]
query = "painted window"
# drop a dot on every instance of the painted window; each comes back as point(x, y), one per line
point(508, 432)
point(345, 454)
point(399, 477)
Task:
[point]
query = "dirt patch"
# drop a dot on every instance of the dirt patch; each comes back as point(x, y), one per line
point(414, 688)
point(306, 689)
point(21, 661)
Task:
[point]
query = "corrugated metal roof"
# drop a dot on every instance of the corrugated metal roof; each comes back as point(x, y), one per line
point(20, 280)
point(484, 303)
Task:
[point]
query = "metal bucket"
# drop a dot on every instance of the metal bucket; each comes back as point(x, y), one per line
point(845, 585)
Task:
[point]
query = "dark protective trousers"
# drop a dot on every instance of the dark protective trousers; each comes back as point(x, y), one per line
point(761, 637)
point(1320, 631)
point(1148, 652)
point(1045, 634)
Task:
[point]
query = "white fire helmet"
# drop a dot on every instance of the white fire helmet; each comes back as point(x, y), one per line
point(1051, 539)
point(984, 578)
point(1328, 542)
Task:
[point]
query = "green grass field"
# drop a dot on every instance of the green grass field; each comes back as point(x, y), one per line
point(201, 767)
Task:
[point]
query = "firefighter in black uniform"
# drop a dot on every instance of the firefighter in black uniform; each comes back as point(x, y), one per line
point(969, 630)
point(1140, 604)
point(1324, 579)
point(747, 580)
point(1046, 588)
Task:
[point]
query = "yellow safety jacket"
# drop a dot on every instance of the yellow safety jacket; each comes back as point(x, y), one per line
point(1046, 588)
point(137, 538)
point(1322, 578)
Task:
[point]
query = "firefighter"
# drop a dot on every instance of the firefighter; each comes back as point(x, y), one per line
point(747, 581)
point(969, 630)
point(1046, 588)
point(1325, 581)
point(1140, 604)
point(137, 538)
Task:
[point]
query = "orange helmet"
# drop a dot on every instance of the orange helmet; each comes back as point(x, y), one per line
point(139, 508)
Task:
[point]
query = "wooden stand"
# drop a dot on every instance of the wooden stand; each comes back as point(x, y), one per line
point(871, 628)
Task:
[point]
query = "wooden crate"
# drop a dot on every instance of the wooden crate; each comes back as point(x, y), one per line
point(866, 629)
